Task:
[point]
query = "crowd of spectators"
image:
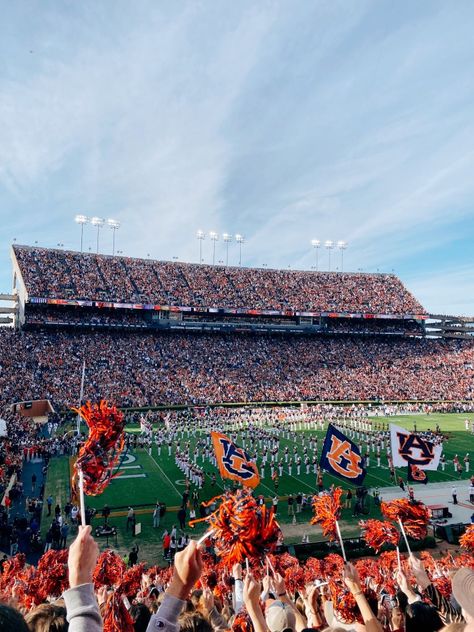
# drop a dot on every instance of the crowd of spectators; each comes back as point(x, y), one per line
point(72, 275)
point(197, 595)
point(20, 511)
point(134, 369)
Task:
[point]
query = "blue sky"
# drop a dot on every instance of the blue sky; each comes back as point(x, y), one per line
point(283, 121)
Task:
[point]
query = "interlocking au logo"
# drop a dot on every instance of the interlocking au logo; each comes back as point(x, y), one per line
point(236, 460)
point(343, 459)
point(413, 449)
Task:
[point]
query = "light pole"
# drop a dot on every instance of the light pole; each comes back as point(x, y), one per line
point(81, 219)
point(213, 237)
point(240, 240)
point(227, 238)
point(99, 222)
point(316, 245)
point(329, 245)
point(342, 245)
point(200, 235)
point(114, 225)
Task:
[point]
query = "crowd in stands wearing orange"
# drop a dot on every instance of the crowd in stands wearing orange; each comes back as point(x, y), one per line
point(159, 368)
point(72, 275)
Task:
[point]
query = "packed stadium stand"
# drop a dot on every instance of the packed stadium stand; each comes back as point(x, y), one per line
point(55, 274)
point(160, 333)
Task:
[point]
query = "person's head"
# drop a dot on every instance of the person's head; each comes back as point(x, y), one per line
point(463, 591)
point(279, 616)
point(141, 616)
point(11, 620)
point(397, 618)
point(421, 616)
point(195, 598)
point(194, 622)
point(47, 617)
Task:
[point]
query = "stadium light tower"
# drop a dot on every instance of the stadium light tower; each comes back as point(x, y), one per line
point(114, 225)
point(98, 222)
point(81, 219)
point(316, 245)
point(329, 245)
point(240, 240)
point(200, 235)
point(227, 238)
point(342, 245)
point(213, 237)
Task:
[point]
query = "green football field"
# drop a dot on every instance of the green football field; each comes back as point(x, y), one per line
point(145, 479)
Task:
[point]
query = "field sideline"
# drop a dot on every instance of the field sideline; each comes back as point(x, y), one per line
point(146, 479)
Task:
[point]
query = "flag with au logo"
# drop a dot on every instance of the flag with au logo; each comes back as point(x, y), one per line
point(234, 462)
point(341, 456)
point(409, 447)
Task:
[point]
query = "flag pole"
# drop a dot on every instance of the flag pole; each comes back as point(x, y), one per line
point(204, 537)
point(404, 536)
point(341, 541)
point(399, 559)
point(81, 396)
point(82, 502)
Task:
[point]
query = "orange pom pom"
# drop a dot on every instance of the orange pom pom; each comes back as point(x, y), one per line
point(467, 539)
point(327, 509)
point(100, 454)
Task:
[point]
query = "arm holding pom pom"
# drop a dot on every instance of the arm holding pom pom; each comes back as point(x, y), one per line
point(445, 609)
point(310, 599)
point(187, 570)
point(81, 604)
point(352, 581)
point(406, 588)
point(419, 572)
point(282, 594)
point(252, 591)
point(238, 592)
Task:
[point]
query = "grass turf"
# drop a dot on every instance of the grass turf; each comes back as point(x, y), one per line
point(146, 479)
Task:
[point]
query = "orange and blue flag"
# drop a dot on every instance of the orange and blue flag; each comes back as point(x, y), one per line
point(234, 462)
point(341, 456)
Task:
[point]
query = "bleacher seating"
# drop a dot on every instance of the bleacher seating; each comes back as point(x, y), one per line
point(72, 275)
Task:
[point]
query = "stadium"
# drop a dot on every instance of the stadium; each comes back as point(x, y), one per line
point(270, 357)
point(236, 316)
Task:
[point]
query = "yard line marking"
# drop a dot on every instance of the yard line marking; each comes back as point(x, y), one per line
point(121, 478)
point(130, 467)
point(272, 492)
point(313, 489)
point(167, 477)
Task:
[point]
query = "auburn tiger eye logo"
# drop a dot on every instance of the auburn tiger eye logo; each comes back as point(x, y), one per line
point(417, 474)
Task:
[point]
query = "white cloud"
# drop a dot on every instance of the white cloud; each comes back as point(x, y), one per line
point(333, 120)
